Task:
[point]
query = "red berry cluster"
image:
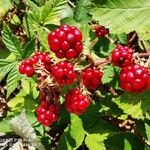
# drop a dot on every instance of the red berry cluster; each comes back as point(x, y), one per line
point(27, 66)
point(101, 31)
point(76, 102)
point(63, 72)
point(91, 77)
point(134, 78)
point(122, 56)
point(66, 42)
point(47, 113)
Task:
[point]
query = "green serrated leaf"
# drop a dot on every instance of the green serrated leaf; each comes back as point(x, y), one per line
point(12, 42)
point(131, 105)
point(95, 141)
point(69, 21)
point(5, 67)
point(81, 14)
point(108, 74)
point(76, 131)
point(121, 16)
point(29, 48)
point(123, 141)
point(73, 135)
point(50, 12)
point(15, 20)
point(4, 126)
point(103, 47)
point(122, 37)
point(12, 80)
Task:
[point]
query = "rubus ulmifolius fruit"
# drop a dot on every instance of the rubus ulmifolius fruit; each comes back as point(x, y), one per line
point(63, 72)
point(122, 56)
point(134, 78)
point(66, 42)
point(101, 31)
point(91, 77)
point(47, 113)
point(76, 102)
point(27, 65)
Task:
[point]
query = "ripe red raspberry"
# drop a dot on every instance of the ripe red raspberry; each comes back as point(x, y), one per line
point(66, 42)
point(47, 113)
point(122, 56)
point(76, 102)
point(26, 67)
point(134, 78)
point(63, 72)
point(91, 77)
point(101, 31)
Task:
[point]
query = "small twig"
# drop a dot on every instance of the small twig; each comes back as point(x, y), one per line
point(141, 54)
point(133, 37)
point(99, 62)
point(110, 39)
point(143, 45)
point(71, 4)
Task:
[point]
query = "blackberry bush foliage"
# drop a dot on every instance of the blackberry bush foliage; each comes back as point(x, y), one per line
point(74, 76)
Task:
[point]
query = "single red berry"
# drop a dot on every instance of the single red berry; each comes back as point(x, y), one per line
point(91, 77)
point(71, 53)
point(66, 42)
point(22, 69)
point(63, 72)
point(29, 71)
point(76, 102)
point(101, 31)
point(134, 78)
point(122, 56)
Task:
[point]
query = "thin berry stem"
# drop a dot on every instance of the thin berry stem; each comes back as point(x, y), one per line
point(141, 54)
point(100, 62)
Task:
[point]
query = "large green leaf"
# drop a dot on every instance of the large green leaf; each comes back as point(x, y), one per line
point(5, 67)
point(12, 42)
point(95, 141)
point(50, 12)
point(122, 15)
point(131, 105)
point(81, 13)
point(12, 80)
point(73, 136)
